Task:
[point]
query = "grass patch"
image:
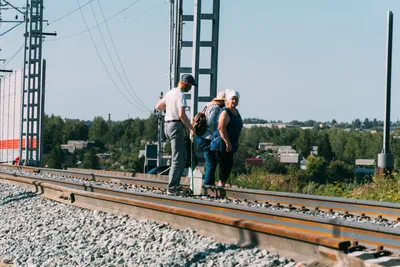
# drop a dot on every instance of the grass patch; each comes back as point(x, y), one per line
point(382, 188)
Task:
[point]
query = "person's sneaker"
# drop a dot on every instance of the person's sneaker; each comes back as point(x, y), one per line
point(172, 193)
point(178, 188)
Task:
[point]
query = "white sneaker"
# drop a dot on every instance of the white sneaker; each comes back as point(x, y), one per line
point(172, 193)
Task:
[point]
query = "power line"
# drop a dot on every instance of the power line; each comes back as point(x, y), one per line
point(83, 31)
point(101, 59)
point(69, 13)
point(12, 57)
point(145, 11)
point(112, 62)
point(134, 3)
point(118, 57)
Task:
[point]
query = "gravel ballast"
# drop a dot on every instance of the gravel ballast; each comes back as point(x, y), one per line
point(317, 213)
point(39, 232)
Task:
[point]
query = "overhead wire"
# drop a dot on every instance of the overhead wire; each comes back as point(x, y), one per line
point(101, 59)
point(118, 57)
point(69, 13)
point(145, 11)
point(110, 18)
point(140, 103)
point(8, 61)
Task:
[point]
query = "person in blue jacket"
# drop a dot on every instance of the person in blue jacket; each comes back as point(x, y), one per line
point(225, 140)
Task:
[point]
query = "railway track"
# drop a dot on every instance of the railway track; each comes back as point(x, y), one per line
point(380, 211)
point(271, 229)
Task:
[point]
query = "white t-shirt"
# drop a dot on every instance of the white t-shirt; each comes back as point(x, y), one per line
point(173, 100)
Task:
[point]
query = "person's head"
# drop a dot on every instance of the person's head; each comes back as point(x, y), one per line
point(186, 82)
point(220, 99)
point(232, 98)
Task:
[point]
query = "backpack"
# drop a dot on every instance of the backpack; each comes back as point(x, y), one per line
point(200, 122)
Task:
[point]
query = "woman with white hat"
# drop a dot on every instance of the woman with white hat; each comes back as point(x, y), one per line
point(225, 140)
point(212, 111)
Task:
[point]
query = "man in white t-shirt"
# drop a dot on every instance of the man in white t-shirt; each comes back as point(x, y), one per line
point(174, 104)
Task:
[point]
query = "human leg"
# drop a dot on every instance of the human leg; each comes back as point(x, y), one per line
point(211, 167)
point(225, 161)
point(174, 132)
point(210, 158)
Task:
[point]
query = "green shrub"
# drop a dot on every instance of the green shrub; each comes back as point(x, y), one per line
point(383, 188)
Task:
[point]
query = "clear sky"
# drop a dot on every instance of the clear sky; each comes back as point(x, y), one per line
point(290, 60)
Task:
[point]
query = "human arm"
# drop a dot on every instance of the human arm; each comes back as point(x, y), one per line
point(185, 120)
point(224, 119)
point(161, 104)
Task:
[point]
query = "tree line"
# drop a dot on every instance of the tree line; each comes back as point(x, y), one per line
point(337, 150)
point(355, 124)
point(121, 141)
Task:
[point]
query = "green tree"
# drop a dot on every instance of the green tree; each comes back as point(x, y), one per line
point(304, 142)
point(138, 164)
point(272, 165)
point(55, 158)
point(167, 148)
point(90, 160)
point(356, 124)
point(52, 132)
point(150, 128)
point(352, 148)
point(316, 168)
point(309, 123)
point(324, 147)
point(99, 130)
point(75, 130)
point(338, 139)
point(338, 171)
point(367, 124)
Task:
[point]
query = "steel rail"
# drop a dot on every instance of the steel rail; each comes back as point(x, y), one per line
point(356, 207)
point(369, 235)
point(302, 246)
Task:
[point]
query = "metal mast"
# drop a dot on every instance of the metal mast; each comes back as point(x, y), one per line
point(32, 100)
point(196, 44)
point(386, 158)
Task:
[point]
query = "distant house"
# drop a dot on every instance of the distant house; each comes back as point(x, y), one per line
point(142, 153)
point(365, 167)
point(314, 151)
point(262, 146)
point(279, 149)
point(365, 162)
point(254, 162)
point(286, 150)
point(270, 125)
point(290, 159)
point(73, 146)
point(303, 164)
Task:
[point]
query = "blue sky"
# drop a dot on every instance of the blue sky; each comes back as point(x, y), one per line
point(290, 60)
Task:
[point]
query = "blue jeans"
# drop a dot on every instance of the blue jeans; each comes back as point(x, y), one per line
point(211, 160)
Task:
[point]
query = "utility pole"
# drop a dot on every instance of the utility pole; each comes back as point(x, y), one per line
point(195, 43)
point(160, 121)
point(386, 158)
point(31, 130)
